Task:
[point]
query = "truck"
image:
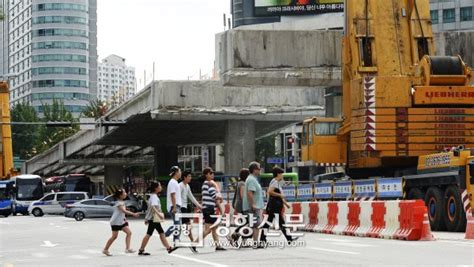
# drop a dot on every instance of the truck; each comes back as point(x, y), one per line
point(405, 111)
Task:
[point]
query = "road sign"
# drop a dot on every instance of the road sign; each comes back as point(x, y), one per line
point(323, 190)
point(389, 187)
point(274, 160)
point(364, 188)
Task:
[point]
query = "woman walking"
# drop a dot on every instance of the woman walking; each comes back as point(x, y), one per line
point(119, 222)
point(275, 204)
point(154, 214)
point(237, 204)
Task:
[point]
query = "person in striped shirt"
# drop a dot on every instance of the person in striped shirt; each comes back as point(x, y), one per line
point(210, 198)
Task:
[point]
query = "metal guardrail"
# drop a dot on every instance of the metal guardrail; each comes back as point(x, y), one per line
point(375, 188)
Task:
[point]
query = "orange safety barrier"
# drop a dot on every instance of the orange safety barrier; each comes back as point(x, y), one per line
point(378, 219)
point(353, 218)
point(295, 209)
point(412, 213)
point(312, 216)
point(469, 225)
point(332, 218)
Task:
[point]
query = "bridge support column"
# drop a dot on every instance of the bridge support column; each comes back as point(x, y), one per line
point(239, 146)
point(113, 179)
point(165, 158)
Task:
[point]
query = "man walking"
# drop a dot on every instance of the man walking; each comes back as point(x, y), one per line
point(252, 203)
point(173, 203)
point(185, 209)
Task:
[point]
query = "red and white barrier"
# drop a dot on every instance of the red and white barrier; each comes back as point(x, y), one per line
point(405, 220)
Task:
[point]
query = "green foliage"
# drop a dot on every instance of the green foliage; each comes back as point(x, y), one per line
point(25, 138)
point(30, 140)
point(51, 136)
point(95, 109)
point(265, 148)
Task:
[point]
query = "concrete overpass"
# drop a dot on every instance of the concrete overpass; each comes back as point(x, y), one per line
point(167, 114)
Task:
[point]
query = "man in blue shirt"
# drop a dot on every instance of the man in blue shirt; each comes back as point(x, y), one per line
point(252, 203)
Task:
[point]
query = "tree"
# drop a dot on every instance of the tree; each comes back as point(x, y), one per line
point(51, 136)
point(25, 138)
point(95, 109)
point(265, 148)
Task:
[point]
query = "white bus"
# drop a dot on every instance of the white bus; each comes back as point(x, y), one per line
point(28, 188)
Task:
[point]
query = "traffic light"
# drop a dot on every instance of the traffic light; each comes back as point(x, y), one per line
point(291, 140)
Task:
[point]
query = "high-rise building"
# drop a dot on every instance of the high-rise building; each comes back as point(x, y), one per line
point(452, 15)
point(52, 51)
point(117, 81)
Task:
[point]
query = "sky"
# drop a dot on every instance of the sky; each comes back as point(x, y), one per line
point(178, 35)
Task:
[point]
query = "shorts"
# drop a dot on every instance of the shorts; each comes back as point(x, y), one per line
point(257, 217)
point(207, 212)
point(152, 226)
point(119, 227)
point(185, 220)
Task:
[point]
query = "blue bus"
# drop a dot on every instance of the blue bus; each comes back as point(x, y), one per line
point(28, 188)
point(6, 197)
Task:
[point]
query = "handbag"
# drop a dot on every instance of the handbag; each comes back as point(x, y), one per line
point(275, 204)
point(158, 217)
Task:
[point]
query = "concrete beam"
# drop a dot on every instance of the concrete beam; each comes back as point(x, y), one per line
point(141, 161)
point(317, 76)
point(212, 97)
point(255, 50)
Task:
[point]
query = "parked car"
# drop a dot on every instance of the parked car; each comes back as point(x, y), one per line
point(89, 208)
point(131, 203)
point(55, 203)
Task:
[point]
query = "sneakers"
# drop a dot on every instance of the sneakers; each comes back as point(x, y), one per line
point(171, 249)
point(130, 250)
point(220, 249)
point(193, 249)
point(143, 253)
point(292, 240)
point(106, 253)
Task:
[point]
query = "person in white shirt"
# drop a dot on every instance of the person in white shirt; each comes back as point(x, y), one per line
point(154, 207)
point(186, 194)
point(173, 203)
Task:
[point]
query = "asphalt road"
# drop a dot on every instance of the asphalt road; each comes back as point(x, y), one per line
point(59, 241)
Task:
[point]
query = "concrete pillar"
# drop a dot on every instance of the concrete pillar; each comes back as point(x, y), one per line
point(239, 145)
point(219, 158)
point(113, 178)
point(165, 158)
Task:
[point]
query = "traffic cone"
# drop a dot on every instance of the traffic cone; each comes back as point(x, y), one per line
point(470, 225)
point(426, 234)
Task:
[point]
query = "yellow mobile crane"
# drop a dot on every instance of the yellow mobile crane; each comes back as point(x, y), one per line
point(402, 105)
point(6, 152)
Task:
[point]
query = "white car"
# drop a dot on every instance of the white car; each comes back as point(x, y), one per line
point(55, 203)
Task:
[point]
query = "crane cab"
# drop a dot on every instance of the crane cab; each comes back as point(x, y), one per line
point(320, 144)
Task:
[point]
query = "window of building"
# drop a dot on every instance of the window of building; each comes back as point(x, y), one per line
point(449, 15)
point(466, 13)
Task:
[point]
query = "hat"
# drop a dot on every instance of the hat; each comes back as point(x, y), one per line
point(173, 170)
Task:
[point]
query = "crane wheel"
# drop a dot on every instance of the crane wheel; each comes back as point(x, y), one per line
point(434, 200)
point(455, 218)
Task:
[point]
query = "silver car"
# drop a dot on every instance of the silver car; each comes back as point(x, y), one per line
point(90, 208)
point(131, 203)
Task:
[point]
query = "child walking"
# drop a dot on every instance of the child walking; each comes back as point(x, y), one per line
point(154, 209)
point(118, 222)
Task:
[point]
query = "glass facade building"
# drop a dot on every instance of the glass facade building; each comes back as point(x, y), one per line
point(52, 51)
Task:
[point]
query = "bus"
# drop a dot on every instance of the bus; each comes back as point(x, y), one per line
point(6, 197)
point(70, 183)
point(28, 188)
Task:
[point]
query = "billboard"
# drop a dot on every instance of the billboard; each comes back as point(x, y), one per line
point(296, 7)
